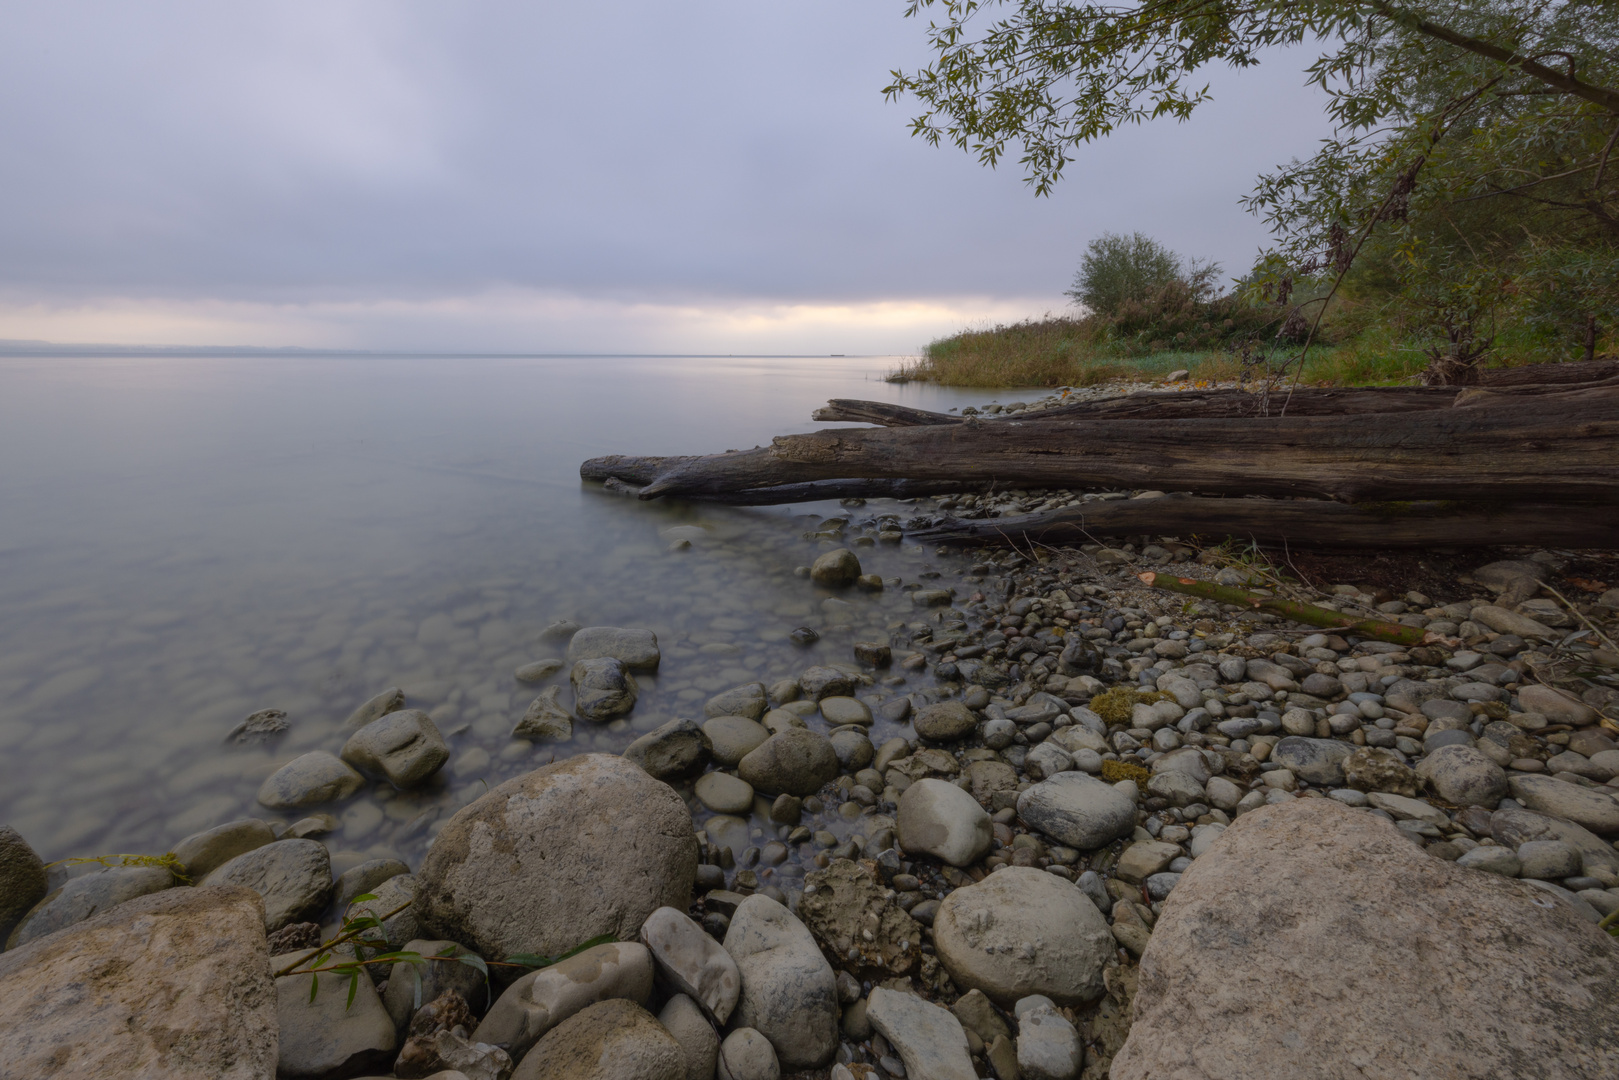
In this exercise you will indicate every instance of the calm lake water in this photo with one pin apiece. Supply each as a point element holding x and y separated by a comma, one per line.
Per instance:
<point>184,541</point>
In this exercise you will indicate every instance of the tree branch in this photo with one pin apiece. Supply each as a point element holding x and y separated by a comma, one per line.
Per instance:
<point>1568,84</point>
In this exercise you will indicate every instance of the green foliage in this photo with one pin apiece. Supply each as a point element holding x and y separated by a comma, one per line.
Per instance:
<point>1117,269</point>
<point>534,960</point>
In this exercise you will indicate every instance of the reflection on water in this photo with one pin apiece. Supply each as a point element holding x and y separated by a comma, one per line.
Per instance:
<point>184,541</point>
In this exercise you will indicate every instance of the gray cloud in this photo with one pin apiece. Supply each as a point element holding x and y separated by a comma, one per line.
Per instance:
<point>711,154</point>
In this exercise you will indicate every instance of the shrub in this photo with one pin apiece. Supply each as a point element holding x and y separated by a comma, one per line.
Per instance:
<point>1117,269</point>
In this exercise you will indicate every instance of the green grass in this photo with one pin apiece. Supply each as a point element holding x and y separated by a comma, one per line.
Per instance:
<point>1065,352</point>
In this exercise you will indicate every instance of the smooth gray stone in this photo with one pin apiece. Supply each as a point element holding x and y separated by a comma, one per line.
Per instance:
<point>316,777</point>
<point>789,994</point>
<point>749,700</point>
<point>293,877</point>
<point>364,878</point>
<point>637,650</point>
<point>403,748</point>
<point>329,1036</point>
<point>1078,810</point>
<point>85,896</point>
<point>929,1039</point>
<point>390,700</point>
<point>201,853</point>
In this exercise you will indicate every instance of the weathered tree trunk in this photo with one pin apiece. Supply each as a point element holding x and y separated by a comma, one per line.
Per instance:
<point>1548,448</point>
<point>1295,522</point>
<point>823,489</point>
<point>1212,404</point>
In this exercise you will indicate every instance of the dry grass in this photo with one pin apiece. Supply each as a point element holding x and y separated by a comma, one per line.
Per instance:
<point>1045,353</point>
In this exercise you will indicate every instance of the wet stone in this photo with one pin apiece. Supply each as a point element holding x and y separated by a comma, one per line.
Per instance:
<point>733,737</point>
<point>316,777</point>
<point>85,896</point>
<point>724,793</point>
<point>636,650</point>
<point>538,670</point>
<point>603,689</point>
<point>546,719</point>
<point>404,748</point>
<point>390,700</point>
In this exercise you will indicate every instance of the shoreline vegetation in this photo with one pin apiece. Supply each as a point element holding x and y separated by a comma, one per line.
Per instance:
<point>1078,351</point>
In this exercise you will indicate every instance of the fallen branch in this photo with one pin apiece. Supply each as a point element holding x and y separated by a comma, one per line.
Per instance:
<point>1298,522</point>
<point>1309,614</point>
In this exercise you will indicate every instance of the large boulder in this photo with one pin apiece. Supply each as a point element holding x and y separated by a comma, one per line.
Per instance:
<point>1023,931</point>
<point>938,818</point>
<point>1464,776</point>
<point>587,846</point>
<point>1588,808</point>
<point>293,877</point>
<point>542,999</point>
<point>1315,940</point>
<point>23,881</point>
<point>174,985</point>
<point>789,994</point>
<point>85,896</point>
<point>1078,810</point>
<point>795,761</point>
<point>611,1040</point>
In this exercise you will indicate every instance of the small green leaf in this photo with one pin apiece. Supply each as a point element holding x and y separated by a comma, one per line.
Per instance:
<point>354,985</point>
<point>314,987</point>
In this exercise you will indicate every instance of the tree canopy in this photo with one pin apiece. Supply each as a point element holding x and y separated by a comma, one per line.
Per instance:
<point>1471,157</point>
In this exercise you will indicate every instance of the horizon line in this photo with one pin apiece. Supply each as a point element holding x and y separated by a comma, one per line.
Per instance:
<point>24,347</point>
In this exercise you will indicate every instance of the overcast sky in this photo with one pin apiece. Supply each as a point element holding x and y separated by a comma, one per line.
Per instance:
<point>645,176</point>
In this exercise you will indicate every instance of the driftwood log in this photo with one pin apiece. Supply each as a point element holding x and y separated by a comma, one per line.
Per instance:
<point>822,489</point>
<point>1295,522</point>
<point>1542,448</point>
<point>1211,404</point>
